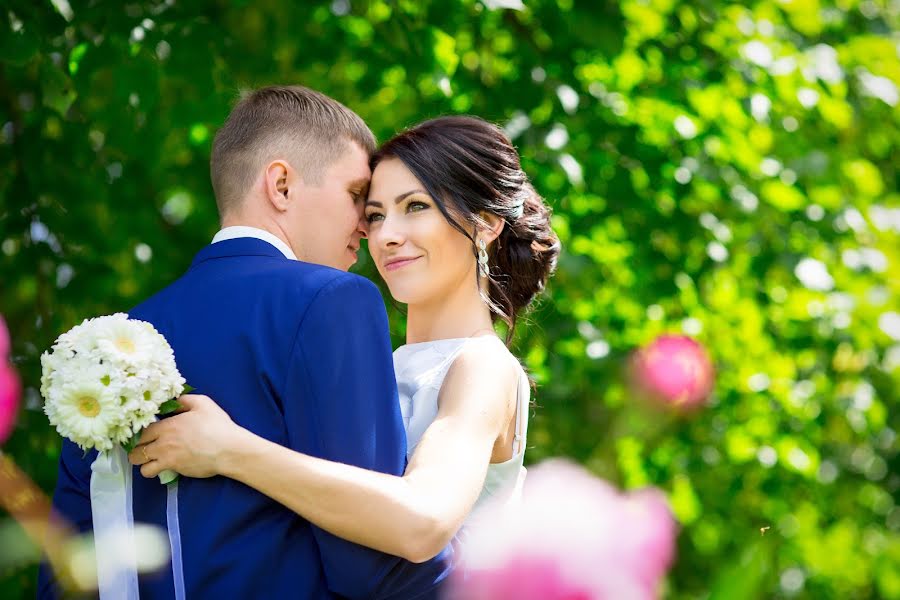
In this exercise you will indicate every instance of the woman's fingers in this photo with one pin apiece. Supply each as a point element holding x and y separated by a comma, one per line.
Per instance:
<point>186,402</point>
<point>140,455</point>
<point>194,402</point>
<point>151,433</point>
<point>189,443</point>
<point>152,469</point>
<point>135,457</point>
<point>147,456</point>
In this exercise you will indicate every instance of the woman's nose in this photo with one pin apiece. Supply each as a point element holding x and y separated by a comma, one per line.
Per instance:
<point>389,233</point>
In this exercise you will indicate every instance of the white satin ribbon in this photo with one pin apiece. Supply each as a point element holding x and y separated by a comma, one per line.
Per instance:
<point>111,510</point>
<point>175,539</point>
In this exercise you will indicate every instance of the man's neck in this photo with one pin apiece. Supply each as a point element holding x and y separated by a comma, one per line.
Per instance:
<point>263,224</point>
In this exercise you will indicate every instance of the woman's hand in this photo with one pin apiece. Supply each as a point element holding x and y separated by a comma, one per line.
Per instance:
<point>192,443</point>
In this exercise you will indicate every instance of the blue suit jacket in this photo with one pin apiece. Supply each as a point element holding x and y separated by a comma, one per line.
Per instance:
<point>299,354</point>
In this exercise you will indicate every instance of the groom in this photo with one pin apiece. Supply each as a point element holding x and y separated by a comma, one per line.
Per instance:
<point>267,321</point>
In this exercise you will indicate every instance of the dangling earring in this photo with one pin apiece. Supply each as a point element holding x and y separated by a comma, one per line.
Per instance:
<point>482,259</point>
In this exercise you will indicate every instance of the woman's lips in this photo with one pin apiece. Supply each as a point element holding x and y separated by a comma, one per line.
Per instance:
<point>399,263</point>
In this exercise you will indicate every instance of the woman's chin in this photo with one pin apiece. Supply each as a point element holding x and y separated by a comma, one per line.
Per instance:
<point>405,290</point>
<point>402,295</point>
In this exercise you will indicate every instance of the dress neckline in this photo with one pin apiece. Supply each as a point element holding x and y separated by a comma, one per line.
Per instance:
<point>443,340</point>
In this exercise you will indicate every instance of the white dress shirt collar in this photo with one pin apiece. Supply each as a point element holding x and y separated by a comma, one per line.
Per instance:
<point>241,231</point>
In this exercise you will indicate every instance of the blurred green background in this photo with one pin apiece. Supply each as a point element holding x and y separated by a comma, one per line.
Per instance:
<point>726,170</point>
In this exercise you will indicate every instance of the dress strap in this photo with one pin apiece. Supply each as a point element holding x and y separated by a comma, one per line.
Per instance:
<point>519,435</point>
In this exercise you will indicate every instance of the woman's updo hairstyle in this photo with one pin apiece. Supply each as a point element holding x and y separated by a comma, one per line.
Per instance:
<point>469,166</point>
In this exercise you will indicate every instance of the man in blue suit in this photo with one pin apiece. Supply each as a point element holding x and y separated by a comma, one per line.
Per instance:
<point>267,321</point>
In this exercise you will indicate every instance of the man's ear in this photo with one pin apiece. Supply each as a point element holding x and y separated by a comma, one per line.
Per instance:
<point>492,227</point>
<point>277,184</point>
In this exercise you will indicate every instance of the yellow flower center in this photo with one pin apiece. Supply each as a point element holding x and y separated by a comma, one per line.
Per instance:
<point>88,406</point>
<point>125,345</point>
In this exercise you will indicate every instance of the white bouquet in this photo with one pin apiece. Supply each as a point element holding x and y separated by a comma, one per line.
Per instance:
<point>107,379</point>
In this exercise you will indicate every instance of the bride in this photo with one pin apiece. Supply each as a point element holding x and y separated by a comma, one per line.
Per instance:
<point>461,237</point>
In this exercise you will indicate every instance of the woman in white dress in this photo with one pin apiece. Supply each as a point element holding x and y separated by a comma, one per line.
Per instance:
<point>461,237</point>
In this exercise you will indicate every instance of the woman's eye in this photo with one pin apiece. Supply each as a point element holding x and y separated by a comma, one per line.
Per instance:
<point>416,206</point>
<point>372,217</point>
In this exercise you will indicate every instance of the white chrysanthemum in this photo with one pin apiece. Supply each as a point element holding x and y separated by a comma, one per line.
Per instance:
<point>86,412</point>
<point>142,419</point>
<point>167,383</point>
<point>81,340</point>
<point>152,396</point>
<point>49,366</point>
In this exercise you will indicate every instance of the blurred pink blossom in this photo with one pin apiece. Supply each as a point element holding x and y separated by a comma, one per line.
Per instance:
<point>571,537</point>
<point>673,370</point>
<point>523,578</point>
<point>4,340</point>
<point>10,388</point>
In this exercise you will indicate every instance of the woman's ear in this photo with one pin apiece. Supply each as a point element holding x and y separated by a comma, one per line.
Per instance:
<point>276,184</point>
<point>492,226</point>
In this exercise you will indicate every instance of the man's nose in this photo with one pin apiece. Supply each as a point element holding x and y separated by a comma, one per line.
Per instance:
<point>362,227</point>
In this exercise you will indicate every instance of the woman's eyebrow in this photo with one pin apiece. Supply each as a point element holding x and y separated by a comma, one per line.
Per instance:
<point>398,199</point>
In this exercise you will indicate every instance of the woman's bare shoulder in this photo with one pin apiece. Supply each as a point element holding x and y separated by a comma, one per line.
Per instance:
<point>485,362</point>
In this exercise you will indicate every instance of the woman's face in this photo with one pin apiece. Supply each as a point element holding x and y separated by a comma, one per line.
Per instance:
<point>418,253</point>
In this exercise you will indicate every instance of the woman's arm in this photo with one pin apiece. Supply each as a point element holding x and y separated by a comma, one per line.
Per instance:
<point>413,516</point>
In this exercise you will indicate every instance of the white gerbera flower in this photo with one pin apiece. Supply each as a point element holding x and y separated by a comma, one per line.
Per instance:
<point>105,380</point>
<point>122,340</point>
<point>85,411</point>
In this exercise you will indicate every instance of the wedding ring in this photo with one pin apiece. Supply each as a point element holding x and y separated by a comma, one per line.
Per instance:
<point>144,452</point>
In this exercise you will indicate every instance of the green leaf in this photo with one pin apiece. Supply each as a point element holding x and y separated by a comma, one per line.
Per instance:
<point>132,443</point>
<point>743,579</point>
<point>444,48</point>
<point>188,389</point>
<point>685,503</point>
<point>75,57</point>
<point>169,406</point>
<point>783,196</point>
<point>58,91</point>
<point>18,48</point>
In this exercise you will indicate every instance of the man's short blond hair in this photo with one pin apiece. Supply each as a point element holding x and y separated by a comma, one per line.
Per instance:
<point>303,126</point>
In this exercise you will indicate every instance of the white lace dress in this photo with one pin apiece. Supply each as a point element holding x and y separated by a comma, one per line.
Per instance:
<point>420,370</point>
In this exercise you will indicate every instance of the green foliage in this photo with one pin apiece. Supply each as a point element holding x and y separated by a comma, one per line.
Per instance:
<point>694,152</point>
<point>169,406</point>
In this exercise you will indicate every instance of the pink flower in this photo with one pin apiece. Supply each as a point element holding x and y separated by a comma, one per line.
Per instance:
<point>10,389</point>
<point>4,340</point>
<point>673,370</point>
<point>9,400</point>
<point>572,537</point>
<point>524,578</point>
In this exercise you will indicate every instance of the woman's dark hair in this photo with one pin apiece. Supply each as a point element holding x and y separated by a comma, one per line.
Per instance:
<point>469,166</point>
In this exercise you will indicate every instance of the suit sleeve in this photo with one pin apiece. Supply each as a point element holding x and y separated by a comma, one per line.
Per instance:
<point>340,404</point>
<point>71,502</point>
